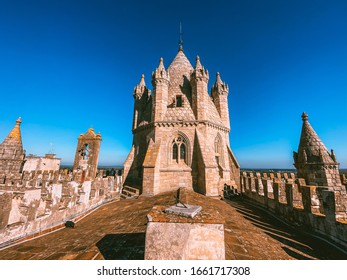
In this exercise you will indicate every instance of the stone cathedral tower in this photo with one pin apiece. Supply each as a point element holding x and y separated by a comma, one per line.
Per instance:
<point>87,154</point>
<point>181,132</point>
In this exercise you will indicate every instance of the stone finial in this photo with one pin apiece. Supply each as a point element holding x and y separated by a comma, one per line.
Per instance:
<point>304,116</point>
<point>161,63</point>
<point>218,79</point>
<point>19,121</point>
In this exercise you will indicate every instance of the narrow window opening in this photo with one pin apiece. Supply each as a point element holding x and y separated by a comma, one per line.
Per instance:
<point>183,152</point>
<point>175,152</point>
<point>178,101</point>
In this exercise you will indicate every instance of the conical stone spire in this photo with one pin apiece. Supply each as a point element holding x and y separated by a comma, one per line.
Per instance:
<point>14,137</point>
<point>310,143</point>
<point>313,161</point>
<point>11,152</point>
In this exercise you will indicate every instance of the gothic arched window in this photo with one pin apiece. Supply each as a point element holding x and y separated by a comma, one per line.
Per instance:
<point>179,150</point>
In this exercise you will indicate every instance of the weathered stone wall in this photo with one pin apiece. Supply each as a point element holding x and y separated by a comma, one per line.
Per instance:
<point>321,210</point>
<point>33,163</point>
<point>151,157</point>
<point>193,241</point>
<point>46,199</point>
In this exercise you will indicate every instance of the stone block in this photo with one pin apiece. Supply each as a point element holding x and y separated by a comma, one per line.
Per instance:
<point>172,237</point>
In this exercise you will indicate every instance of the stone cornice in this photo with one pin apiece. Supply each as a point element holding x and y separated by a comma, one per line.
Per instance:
<point>181,124</point>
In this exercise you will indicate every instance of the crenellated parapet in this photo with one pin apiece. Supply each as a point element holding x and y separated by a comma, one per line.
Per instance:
<point>43,200</point>
<point>34,179</point>
<point>315,208</point>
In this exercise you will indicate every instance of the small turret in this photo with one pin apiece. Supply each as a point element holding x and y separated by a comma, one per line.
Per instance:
<point>15,137</point>
<point>199,72</point>
<point>219,92</point>
<point>160,82</point>
<point>313,160</point>
<point>11,151</point>
<point>199,81</point>
<point>141,88</point>
<point>141,98</point>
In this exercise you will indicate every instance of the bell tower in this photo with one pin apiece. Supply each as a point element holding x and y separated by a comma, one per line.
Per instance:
<point>87,154</point>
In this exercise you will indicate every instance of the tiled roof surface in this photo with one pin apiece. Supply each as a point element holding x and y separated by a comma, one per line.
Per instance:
<point>117,231</point>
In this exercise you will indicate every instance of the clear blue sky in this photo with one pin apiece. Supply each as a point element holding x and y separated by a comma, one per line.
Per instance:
<point>68,65</point>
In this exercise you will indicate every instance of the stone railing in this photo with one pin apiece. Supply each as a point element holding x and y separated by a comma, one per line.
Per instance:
<point>314,209</point>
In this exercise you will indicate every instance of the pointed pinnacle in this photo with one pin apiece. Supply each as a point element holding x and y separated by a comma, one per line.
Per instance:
<point>218,79</point>
<point>198,63</point>
<point>142,81</point>
<point>161,64</point>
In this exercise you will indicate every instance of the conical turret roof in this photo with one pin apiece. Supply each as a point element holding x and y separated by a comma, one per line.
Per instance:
<point>311,148</point>
<point>179,72</point>
<point>179,69</point>
<point>14,138</point>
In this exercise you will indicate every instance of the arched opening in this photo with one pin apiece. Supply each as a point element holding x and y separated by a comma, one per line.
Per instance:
<point>84,151</point>
<point>179,150</point>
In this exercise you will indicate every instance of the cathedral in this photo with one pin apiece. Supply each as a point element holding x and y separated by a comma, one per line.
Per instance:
<point>181,132</point>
